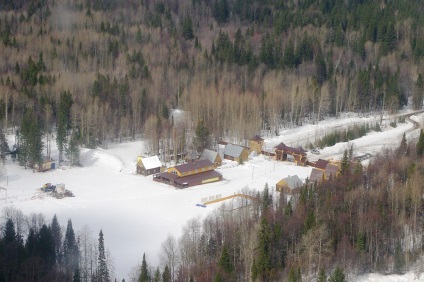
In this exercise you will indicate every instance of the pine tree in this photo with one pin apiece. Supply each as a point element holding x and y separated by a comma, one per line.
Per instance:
<point>70,251</point>
<point>263,262</point>
<point>337,276</point>
<point>266,199</point>
<point>30,143</point>
<point>322,276</point>
<point>156,278</point>
<point>201,138</point>
<point>399,266</point>
<point>77,275</point>
<point>420,144</point>
<point>102,271</point>
<point>403,147</point>
<point>187,27</point>
<point>63,122</point>
<point>144,274</point>
<point>73,150</point>
<point>57,238</point>
<point>344,166</point>
<point>166,275</point>
<point>418,94</point>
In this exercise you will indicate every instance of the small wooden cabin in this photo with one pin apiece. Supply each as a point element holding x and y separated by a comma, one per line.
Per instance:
<point>236,153</point>
<point>212,156</point>
<point>289,185</point>
<point>149,165</point>
<point>282,151</point>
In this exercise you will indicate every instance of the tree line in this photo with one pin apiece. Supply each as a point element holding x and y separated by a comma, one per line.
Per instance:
<point>32,249</point>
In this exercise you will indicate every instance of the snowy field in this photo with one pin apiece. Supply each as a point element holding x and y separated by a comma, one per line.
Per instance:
<point>136,214</point>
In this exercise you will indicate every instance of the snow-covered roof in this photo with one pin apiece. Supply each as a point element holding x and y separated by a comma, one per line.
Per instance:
<point>151,162</point>
<point>209,155</point>
<point>233,150</point>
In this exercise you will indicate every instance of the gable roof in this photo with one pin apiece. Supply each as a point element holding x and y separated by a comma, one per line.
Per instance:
<point>257,138</point>
<point>151,162</point>
<point>331,170</point>
<point>321,164</point>
<point>316,175</point>
<point>233,150</point>
<point>193,166</point>
<point>209,155</point>
<point>284,147</point>
<point>293,181</point>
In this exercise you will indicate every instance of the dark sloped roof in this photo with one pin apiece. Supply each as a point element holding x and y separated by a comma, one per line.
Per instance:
<point>193,166</point>
<point>197,177</point>
<point>321,164</point>
<point>284,147</point>
<point>257,138</point>
<point>316,175</point>
<point>331,170</point>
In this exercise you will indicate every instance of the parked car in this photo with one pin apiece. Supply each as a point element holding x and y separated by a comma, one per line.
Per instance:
<point>315,151</point>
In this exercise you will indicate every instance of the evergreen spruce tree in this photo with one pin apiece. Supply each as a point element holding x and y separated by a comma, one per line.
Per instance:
<point>30,143</point>
<point>266,199</point>
<point>77,275</point>
<point>417,98</point>
<point>144,274</point>
<point>72,150</point>
<point>102,271</point>
<point>322,276</point>
<point>166,274</point>
<point>420,144</point>
<point>337,276</point>
<point>70,251</point>
<point>263,261</point>
<point>187,27</point>
<point>201,138</point>
<point>156,278</point>
<point>403,147</point>
<point>63,122</point>
<point>344,166</point>
<point>399,267</point>
<point>4,146</point>
<point>57,238</point>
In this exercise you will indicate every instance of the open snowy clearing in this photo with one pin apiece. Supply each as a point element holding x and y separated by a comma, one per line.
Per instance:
<point>136,213</point>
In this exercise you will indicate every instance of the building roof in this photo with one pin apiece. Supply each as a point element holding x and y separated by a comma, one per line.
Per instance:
<point>151,162</point>
<point>284,147</point>
<point>331,170</point>
<point>293,181</point>
<point>321,164</point>
<point>193,166</point>
<point>316,175</point>
<point>257,138</point>
<point>233,150</point>
<point>197,177</point>
<point>209,155</point>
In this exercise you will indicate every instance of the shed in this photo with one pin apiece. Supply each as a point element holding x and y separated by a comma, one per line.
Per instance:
<point>212,156</point>
<point>46,164</point>
<point>149,165</point>
<point>289,185</point>
<point>236,153</point>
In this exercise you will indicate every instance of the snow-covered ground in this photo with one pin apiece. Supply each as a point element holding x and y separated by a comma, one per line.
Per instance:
<point>136,214</point>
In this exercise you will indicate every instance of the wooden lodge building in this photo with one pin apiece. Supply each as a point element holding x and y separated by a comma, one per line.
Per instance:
<point>189,174</point>
<point>149,165</point>
<point>299,154</point>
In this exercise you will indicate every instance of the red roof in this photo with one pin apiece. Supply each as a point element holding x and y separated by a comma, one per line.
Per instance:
<point>321,164</point>
<point>257,138</point>
<point>284,147</point>
<point>193,166</point>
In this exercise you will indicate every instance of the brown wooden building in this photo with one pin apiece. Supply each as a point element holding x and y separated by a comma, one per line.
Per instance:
<point>256,144</point>
<point>189,174</point>
<point>236,153</point>
<point>282,151</point>
<point>149,165</point>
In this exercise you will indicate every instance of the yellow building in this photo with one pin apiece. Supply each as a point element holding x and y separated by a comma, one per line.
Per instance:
<point>256,144</point>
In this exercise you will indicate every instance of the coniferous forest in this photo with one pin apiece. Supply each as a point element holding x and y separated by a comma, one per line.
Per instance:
<point>91,72</point>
